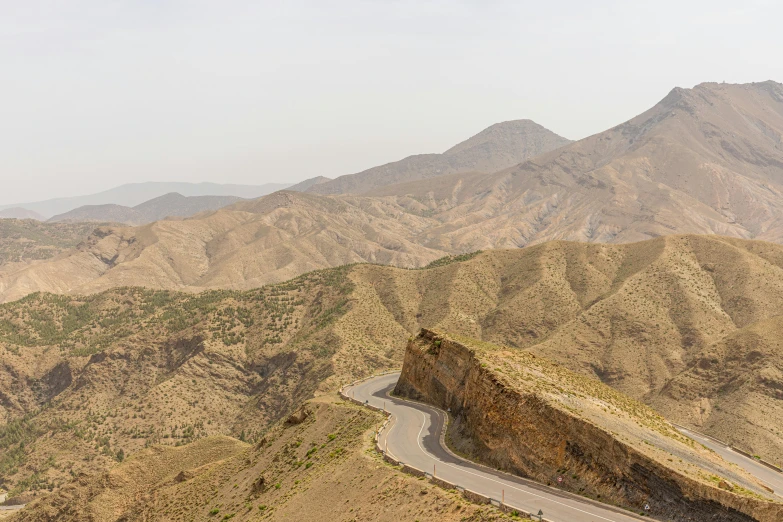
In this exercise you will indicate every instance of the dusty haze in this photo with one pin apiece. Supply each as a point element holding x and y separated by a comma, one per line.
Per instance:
<point>98,94</point>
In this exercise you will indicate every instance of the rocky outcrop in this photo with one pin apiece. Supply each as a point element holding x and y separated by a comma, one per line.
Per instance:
<point>520,429</point>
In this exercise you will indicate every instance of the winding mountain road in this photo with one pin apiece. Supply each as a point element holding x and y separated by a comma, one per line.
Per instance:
<point>413,438</point>
<point>766,475</point>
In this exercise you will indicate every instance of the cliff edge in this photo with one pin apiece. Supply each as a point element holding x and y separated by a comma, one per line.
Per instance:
<point>528,416</point>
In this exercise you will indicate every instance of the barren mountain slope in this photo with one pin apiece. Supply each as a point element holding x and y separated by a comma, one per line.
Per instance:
<point>497,147</point>
<point>733,387</point>
<point>708,160</point>
<point>244,246</point>
<point>302,186</point>
<point>703,160</point>
<point>168,205</point>
<point>314,469</point>
<point>651,319</point>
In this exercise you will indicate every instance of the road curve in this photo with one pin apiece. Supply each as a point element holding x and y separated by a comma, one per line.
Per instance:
<point>413,438</point>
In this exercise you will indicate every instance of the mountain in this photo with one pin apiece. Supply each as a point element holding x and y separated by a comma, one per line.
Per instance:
<point>497,147</point>
<point>20,213</point>
<point>132,194</point>
<point>243,246</point>
<point>703,160</point>
<point>686,324</point>
<point>168,205</point>
<point>707,160</point>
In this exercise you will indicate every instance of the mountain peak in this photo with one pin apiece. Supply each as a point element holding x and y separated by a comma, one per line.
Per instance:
<point>495,148</point>
<point>511,136</point>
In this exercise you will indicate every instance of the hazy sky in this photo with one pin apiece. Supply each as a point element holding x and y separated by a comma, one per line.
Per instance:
<point>99,93</point>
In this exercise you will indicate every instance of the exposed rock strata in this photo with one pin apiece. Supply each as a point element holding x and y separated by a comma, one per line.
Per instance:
<point>522,430</point>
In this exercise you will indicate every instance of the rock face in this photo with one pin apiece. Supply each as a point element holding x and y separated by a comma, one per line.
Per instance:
<point>541,422</point>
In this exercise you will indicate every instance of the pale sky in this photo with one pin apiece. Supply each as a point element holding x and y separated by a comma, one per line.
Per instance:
<point>98,93</point>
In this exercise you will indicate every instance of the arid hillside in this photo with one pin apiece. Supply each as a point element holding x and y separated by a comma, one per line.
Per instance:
<point>297,471</point>
<point>703,160</point>
<point>650,319</point>
<point>522,413</point>
<point>495,148</point>
<point>87,381</point>
<point>707,160</point>
<point>686,324</point>
<point>247,245</point>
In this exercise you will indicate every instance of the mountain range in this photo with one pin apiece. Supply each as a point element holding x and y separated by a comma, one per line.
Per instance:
<point>651,263</point>
<point>132,194</point>
<point>500,146</point>
<point>20,213</point>
<point>168,205</point>
<point>707,160</point>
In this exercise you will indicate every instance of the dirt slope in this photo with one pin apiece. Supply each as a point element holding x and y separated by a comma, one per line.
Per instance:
<point>636,316</point>
<point>268,240</point>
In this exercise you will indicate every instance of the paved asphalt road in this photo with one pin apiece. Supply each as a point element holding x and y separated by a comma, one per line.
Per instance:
<point>413,437</point>
<point>768,476</point>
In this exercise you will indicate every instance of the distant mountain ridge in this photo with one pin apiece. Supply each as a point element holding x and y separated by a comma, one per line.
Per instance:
<point>132,194</point>
<point>707,160</point>
<point>497,147</point>
<point>168,205</point>
<point>20,213</point>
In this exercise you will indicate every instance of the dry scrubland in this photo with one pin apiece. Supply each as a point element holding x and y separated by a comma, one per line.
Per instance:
<point>24,240</point>
<point>317,465</point>
<point>686,324</point>
<point>525,414</point>
<point>88,381</point>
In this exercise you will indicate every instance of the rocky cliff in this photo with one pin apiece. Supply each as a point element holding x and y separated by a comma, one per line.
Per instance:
<point>526,415</point>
